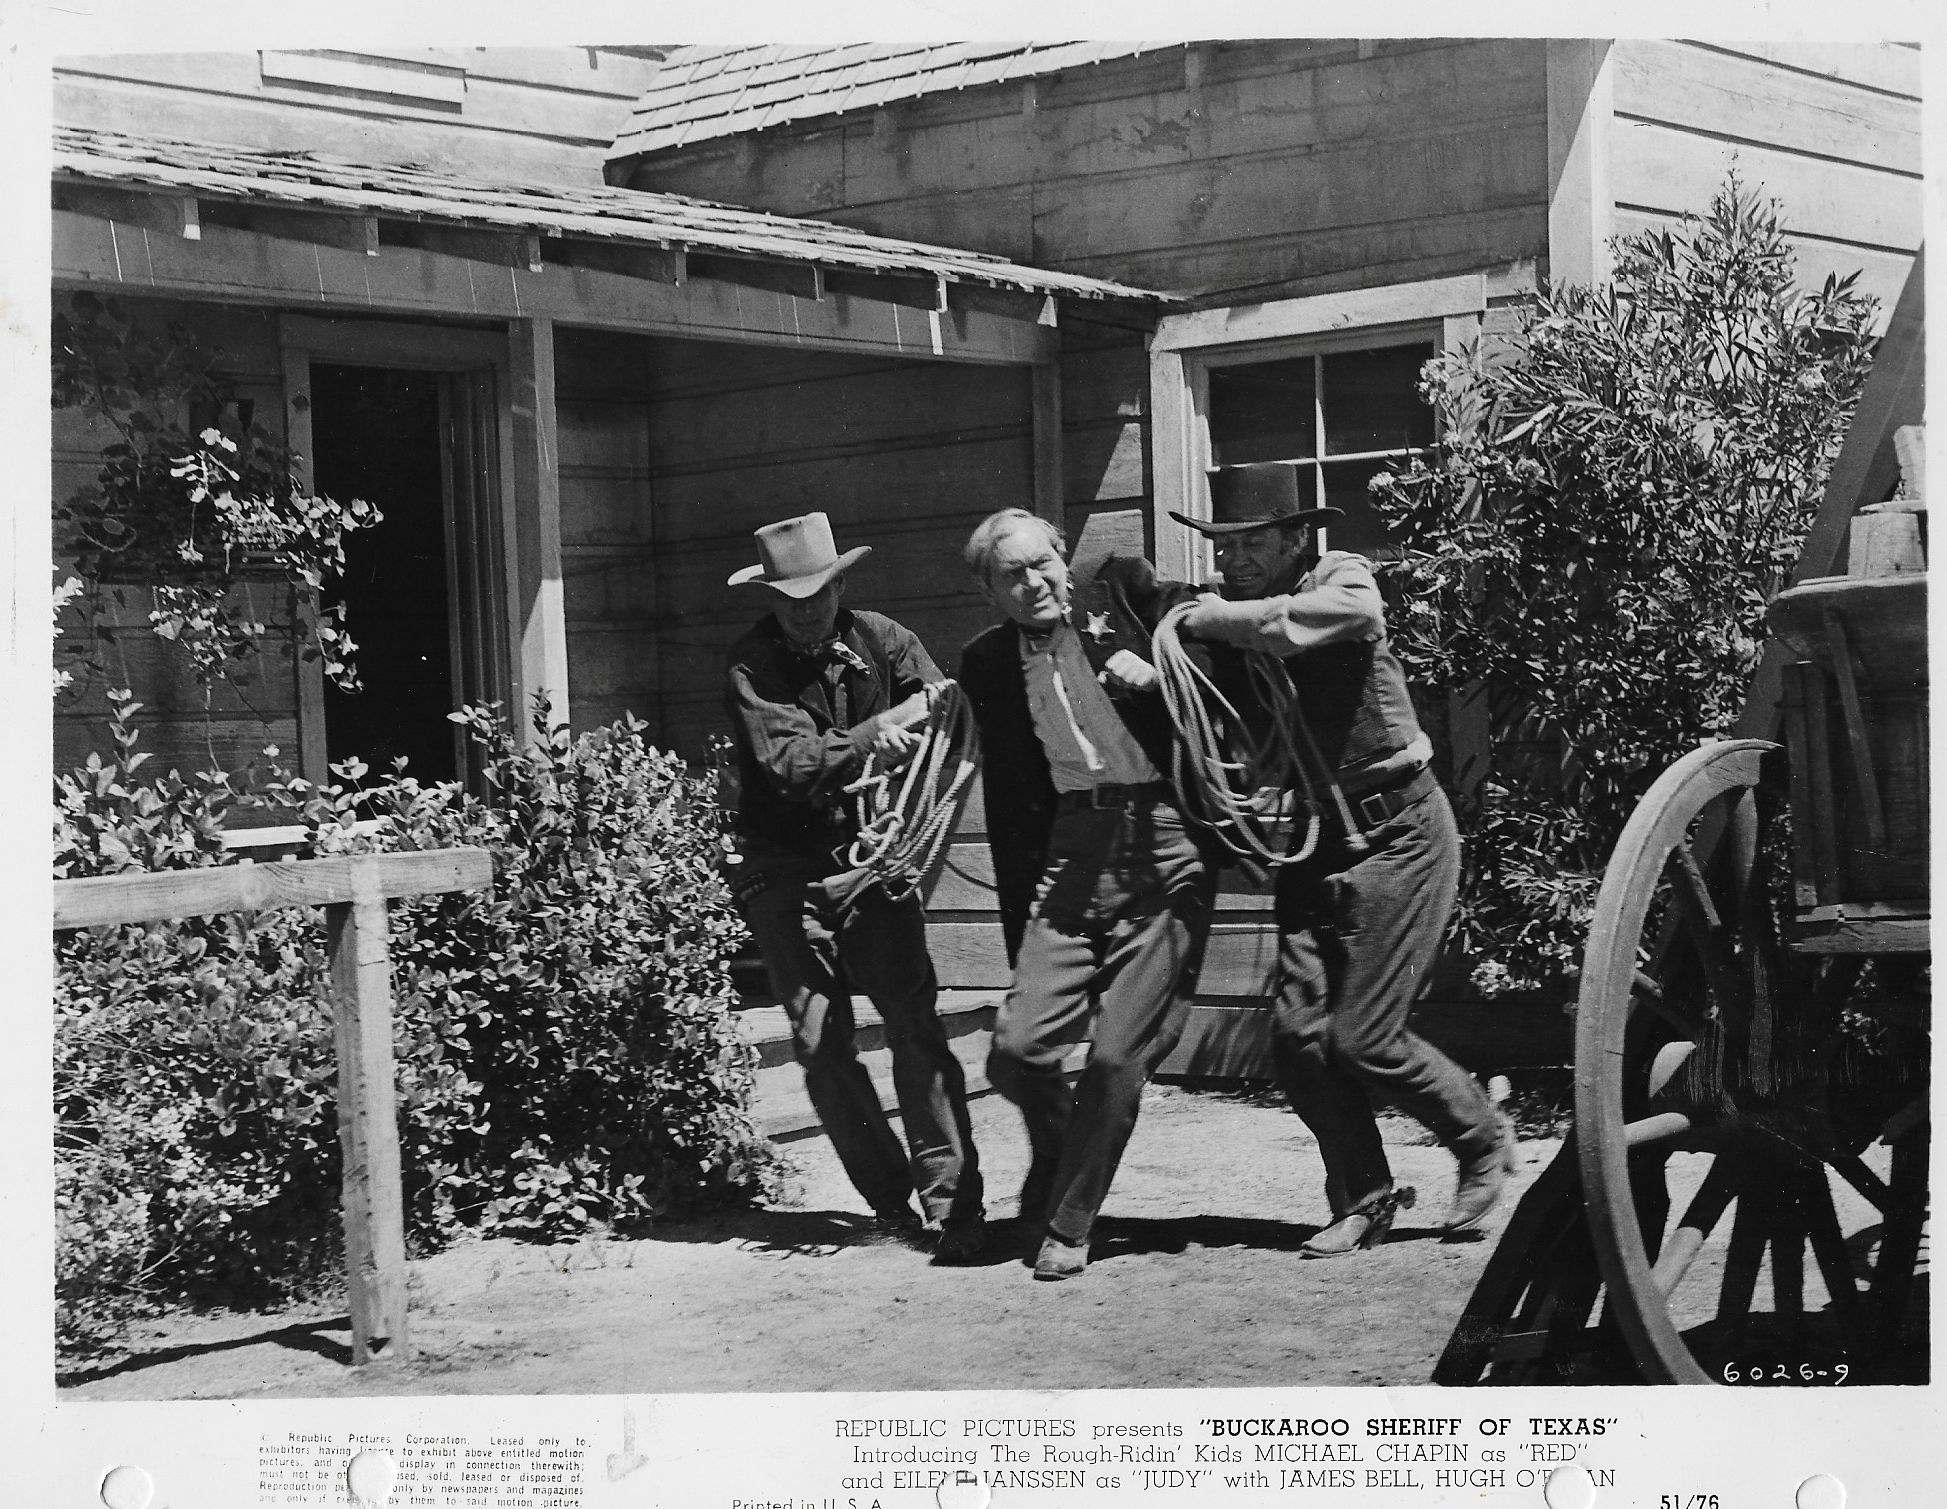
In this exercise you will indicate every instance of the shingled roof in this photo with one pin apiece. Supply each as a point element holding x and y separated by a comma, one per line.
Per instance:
<point>704,92</point>
<point>317,181</point>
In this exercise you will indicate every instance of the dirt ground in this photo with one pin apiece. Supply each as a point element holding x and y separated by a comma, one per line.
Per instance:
<point>1195,1282</point>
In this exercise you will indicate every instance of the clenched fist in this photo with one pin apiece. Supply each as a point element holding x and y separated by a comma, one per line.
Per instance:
<point>1127,671</point>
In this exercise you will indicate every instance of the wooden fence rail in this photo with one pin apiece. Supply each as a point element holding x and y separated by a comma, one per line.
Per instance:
<point>353,890</point>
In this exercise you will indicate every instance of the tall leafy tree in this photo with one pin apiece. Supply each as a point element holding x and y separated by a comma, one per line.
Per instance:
<point>1616,496</point>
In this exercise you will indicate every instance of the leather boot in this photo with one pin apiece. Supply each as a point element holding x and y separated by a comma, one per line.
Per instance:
<point>1483,1175</point>
<point>1361,1228</point>
<point>1059,1260</point>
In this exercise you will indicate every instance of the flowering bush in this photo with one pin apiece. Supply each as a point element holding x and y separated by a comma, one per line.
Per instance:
<point>184,509</point>
<point>566,1060</point>
<point>1592,545</point>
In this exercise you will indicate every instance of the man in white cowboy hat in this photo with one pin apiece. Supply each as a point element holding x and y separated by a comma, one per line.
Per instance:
<point>812,689</point>
<point>1361,920</point>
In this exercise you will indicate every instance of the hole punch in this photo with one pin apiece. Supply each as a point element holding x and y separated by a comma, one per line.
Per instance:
<point>1820,1491</point>
<point>369,1476</point>
<point>1569,1488</point>
<point>966,1491</point>
<point>127,1488</point>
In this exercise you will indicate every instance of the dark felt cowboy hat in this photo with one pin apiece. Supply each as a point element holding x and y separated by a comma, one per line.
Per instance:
<point>1254,495</point>
<point>797,556</point>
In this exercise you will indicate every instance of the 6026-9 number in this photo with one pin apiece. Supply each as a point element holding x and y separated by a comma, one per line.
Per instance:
<point>1784,1372</point>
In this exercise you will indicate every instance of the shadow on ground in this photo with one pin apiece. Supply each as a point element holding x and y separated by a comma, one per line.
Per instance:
<point>308,1336</point>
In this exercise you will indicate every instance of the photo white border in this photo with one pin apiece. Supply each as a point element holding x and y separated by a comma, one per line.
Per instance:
<point>1751,1448</point>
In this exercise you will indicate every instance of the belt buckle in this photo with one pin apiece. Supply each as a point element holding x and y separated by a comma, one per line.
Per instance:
<point>1373,808</point>
<point>1108,798</point>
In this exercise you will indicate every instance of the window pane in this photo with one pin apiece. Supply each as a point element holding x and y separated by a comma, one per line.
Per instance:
<point>1262,411</point>
<point>1360,529</point>
<point>1372,400</point>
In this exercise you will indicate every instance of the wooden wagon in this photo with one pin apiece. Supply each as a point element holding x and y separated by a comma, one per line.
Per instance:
<point>1744,1194</point>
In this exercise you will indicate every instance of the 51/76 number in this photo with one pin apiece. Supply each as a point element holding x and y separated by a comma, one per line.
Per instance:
<point>1687,1501</point>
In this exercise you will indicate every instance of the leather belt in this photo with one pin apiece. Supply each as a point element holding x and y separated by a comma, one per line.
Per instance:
<point>1113,798</point>
<point>1381,806</point>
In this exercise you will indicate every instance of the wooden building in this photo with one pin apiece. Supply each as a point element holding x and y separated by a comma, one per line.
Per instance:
<point>1069,277</point>
<point>572,401</point>
<point>1359,202</point>
<point>1330,213</point>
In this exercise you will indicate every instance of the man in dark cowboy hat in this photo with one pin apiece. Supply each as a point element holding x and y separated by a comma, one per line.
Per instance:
<point>1105,890</point>
<point>813,689</point>
<point>1360,921</point>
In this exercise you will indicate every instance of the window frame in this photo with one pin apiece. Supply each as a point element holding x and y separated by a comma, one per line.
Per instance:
<point>1185,349</point>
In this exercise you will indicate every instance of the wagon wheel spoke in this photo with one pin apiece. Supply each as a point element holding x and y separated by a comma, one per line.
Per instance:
<point>1852,1168</point>
<point>1703,928</point>
<point>1748,1237</point>
<point>1900,1238</point>
<point>1705,1210</point>
<point>1829,1250</point>
<point>1646,991</point>
<point>1908,1119</point>
<point>1664,1126</point>
<point>1666,1062</point>
<point>1788,1259</point>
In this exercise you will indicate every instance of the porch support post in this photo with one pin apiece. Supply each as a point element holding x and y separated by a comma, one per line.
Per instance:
<point>1174,481</point>
<point>1048,500</point>
<point>1581,203</point>
<point>306,670</point>
<point>540,661</point>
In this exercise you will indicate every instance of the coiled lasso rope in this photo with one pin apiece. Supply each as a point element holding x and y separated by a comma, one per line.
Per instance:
<point>902,835</point>
<point>1224,784</point>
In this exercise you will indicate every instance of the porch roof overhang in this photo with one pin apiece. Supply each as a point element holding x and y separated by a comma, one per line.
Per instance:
<point>206,220</point>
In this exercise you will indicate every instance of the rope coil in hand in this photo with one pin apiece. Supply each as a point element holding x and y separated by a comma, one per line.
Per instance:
<point>901,835</point>
<point>1235,782</point>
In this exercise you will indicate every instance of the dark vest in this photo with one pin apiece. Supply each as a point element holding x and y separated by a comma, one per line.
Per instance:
<point>1353,696</point>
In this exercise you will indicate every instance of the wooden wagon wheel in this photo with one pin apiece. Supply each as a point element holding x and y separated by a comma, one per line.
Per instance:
<point>1740,1106</point>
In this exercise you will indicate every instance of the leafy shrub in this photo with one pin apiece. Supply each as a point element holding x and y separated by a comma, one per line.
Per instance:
<point>1592,545</point>
<point>565,1056</point>
<point>187,511</point>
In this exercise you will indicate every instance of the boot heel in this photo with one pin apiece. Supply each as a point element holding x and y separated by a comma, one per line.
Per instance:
<point>1361,1229</point>
<point>1384,1210</point>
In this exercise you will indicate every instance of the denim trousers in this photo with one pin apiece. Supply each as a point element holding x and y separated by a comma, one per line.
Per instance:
<point>1358,935</point>
<point>1114,943</point>
<point>821,939</point>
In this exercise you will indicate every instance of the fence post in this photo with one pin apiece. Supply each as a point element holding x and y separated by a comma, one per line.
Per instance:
<point>368,1126</point>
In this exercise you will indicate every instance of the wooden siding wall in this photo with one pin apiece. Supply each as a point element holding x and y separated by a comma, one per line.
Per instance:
<point>1265,168</point>
<point>1831,129</point>
<point>178,729</point>
<point>544,114</point>
<point>1104,435</point>
<point>673,452</point>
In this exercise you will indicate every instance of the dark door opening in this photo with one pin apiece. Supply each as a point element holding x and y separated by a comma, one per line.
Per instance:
<point>376,434</point>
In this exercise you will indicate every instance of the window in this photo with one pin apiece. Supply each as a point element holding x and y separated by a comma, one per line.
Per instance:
<point>1340,415</point>
<point>1330,382</point>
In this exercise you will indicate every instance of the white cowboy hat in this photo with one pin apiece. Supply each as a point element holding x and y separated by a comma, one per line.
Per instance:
<point>797,556</point>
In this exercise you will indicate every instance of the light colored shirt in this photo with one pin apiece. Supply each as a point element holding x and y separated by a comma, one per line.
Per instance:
<point>1086,741</point>
<point>1338,602</point>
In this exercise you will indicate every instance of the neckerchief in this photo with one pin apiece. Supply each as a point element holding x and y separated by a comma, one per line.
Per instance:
<point>835,651</point>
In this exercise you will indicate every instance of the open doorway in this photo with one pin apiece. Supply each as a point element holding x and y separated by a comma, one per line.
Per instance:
<point>377,434</point>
